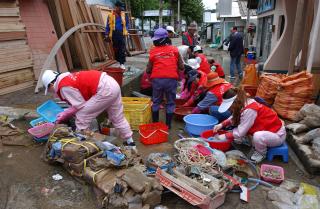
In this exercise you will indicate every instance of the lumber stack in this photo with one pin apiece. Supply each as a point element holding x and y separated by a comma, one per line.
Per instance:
<point>86,46</point>
<point>16,65</point>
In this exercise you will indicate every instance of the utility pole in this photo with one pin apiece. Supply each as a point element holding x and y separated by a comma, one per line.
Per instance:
<point>160,12</point>
<point>178,19</point>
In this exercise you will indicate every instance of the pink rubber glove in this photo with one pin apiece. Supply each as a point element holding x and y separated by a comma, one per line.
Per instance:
<point>66,114</point>
<point>196,110</point>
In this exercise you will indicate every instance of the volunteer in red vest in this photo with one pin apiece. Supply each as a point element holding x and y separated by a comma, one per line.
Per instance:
<point>251,118</point>
<point>189,38</point>
<point>89,93</point>
<point>202,59</point>
<point>195,83</point>
<point>216,87</point>
<point>163,67</point>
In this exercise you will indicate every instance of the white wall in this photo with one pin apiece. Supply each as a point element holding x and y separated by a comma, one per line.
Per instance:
<point>280,51</point>
<point>316,61</point>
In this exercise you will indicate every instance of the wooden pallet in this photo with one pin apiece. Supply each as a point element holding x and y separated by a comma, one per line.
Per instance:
<point>86,46</point>
<point>16,64</point>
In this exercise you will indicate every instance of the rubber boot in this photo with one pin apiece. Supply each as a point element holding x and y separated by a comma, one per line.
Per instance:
<point>155,116</point>
<point>169,119</point>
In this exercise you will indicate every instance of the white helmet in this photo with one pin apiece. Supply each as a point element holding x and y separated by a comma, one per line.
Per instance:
<point>197,48</point>
<point>47,77</point>
<point>193,63</point>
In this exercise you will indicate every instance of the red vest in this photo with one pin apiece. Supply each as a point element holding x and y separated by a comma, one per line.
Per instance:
<point>85,81</point>
<point>266,120</point>
<point>219,90</point>
<point>190,39</point>
<point>165,62</point>
<point>219,69</point>
<point>204,65</point>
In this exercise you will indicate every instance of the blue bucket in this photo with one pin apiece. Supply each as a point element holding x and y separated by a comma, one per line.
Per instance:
<point>198,123</point>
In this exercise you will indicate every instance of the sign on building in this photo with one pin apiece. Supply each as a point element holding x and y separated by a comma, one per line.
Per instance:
<point>156,13</point>
<point>225,7</point>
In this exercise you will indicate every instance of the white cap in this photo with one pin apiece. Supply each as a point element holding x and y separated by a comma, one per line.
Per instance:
<point>193,63</point>
<point>197,48</point>
<point>170,28</point>
<point>226,104</point>
<point>47,77</point>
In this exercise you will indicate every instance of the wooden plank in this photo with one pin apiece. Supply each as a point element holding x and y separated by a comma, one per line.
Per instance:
<point>13,43</point>
<point>16,66</point>
<point>8,4</point>
<point>16,87</point>
<point>7,36</point>
<point>9,12</point>
<point>10,20</point>
<point>8,27</point>
<point>16,77</point>
<point>82,50</point>
<point>65,49</point>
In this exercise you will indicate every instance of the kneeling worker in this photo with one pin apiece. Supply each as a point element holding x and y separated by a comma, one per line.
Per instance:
<point>89,93</point>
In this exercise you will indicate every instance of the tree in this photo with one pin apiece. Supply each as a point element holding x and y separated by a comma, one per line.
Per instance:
<point>192,10</point>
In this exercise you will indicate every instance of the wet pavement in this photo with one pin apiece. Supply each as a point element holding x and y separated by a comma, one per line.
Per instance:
<point>26,181</point>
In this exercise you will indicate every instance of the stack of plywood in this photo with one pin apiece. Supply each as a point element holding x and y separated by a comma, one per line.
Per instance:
<point>16,65</point>
<point>86,46</point>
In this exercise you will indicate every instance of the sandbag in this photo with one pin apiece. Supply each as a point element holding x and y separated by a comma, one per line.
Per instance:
<point>14,136</point>
<point>294,91</point>
<point>104,179</point>
<point>308,137</point>
<point>250,76</point>
<point>297,128</point>
<point>268,87</point>
<point>311,121</point>
<point>308,110</point>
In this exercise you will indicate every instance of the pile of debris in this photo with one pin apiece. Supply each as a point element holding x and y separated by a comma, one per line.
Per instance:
<point>291,194</point>
<point>115,172</point>
<point>304,136</point>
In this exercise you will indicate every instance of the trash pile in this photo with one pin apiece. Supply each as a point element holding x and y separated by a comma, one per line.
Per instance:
<point>291,194</point>
<point>305,136</point>
<point>115,172</point>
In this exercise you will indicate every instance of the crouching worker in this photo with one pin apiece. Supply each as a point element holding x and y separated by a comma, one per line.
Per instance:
<point>163,65</point>
<point>251,118</point>
<point>89,93</point>
<point>215,88</point>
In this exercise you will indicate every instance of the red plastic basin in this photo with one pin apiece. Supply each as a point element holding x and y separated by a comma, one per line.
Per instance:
<point>223,146</point>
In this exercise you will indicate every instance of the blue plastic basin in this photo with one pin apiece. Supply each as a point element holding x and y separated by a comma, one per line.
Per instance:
<point>198,123</point>
<point>49,111</point>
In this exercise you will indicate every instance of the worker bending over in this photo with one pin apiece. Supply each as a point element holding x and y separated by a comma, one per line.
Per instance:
<point>89,93</point>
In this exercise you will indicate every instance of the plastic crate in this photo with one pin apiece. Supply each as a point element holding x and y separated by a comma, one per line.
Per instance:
<point>265,167</point>
<point>137,111</point>
<point>49,111</point>
<point>41,140</point>
<point>186,192</point>
<point>153,133</point>
<point>42,130</point>
<point>34,122</point>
